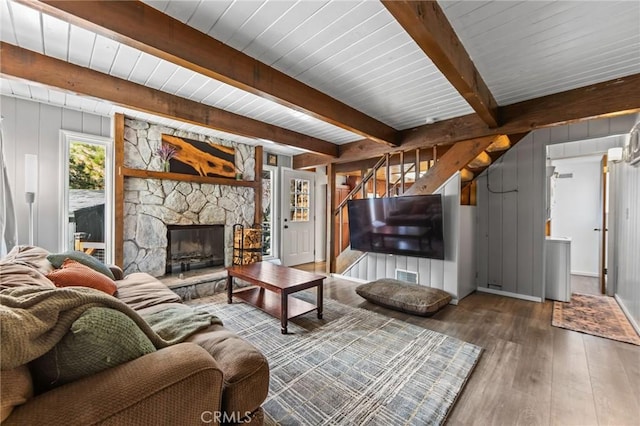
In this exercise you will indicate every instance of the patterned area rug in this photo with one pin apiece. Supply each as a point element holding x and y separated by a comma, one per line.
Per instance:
<point>597,315</point>
<point>353,367</point>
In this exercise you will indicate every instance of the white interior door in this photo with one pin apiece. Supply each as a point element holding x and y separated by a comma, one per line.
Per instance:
<point>297,221</point>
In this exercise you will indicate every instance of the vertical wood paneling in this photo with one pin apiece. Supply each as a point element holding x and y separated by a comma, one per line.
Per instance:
<point>451,204</point>
<point>424,269</point>
<point>509,244</point>
<point>390,266</point>
<point>401,262</point>
<point>538,191</point>
<point>494,176</point>
<point>381,264</point>
<point>626,184</point>
<point>371,269</point>
<point>49,176</point>
<point>525,218</point>
<point>482,231</point>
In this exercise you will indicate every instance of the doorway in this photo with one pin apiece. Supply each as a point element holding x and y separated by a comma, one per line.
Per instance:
<point>297,224</point>
<point>87,195</point>
<point>578,211</point>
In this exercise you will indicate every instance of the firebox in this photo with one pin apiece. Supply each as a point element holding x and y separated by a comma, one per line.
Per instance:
<point>194,246</point>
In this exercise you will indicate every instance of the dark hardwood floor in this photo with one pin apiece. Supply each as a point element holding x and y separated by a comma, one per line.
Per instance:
<point>530,373</point>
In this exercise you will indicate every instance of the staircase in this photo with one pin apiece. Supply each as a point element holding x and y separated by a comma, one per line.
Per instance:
<point>416,172</point>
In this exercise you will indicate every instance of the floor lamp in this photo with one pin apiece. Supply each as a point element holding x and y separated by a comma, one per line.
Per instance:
<point>30,186</point>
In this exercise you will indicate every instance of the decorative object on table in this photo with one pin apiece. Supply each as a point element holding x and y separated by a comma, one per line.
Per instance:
<point>596,315</point>
<point>247,244</point>
<point>166,152</point>
<point>201,158</point>
<point>362,366</point>
<point>272,160</point>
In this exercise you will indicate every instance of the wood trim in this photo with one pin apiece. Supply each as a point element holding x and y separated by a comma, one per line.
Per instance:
<point>29,65</point>
<point>142,27</point>
<point>331,226</point>
<point>603,227</point>
<point>118,213</point>
<point>455,159</point>
<point>427,24</point>
<point>152,174</point>
<point>257,189</point>
<point>610,98</point>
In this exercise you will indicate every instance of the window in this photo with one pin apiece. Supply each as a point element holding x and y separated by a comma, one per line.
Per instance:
<point>299,200</point>
<point>269,247</point>
<point>86,194</point>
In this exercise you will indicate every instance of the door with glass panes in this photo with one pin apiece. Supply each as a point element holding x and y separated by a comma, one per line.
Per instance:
<point>297,217</point>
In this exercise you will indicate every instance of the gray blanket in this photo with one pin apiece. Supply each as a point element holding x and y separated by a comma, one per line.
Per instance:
<point>34,319</point>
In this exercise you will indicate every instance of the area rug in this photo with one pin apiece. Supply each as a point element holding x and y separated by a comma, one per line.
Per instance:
<point>353,367</point>
<point>597,315</point>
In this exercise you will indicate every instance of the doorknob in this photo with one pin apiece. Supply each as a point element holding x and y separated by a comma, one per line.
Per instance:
<point>286,227</point>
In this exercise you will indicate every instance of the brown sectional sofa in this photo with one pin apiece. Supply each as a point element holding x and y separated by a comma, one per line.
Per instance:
<point>213,377</point>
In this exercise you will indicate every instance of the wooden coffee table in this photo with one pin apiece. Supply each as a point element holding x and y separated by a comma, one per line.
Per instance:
<point>280,281</point>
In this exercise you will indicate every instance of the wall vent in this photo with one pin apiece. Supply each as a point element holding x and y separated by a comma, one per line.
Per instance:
<point>565,175</point>
<point>408,276</point>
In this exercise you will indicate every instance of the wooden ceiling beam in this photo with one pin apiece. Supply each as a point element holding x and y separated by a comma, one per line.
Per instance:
<point>28,65</point>
<point>427,24</point>
<point>142,27</point>
<point>610,98</point>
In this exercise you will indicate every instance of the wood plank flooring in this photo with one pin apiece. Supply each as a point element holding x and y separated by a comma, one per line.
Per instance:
<point>530,373</point>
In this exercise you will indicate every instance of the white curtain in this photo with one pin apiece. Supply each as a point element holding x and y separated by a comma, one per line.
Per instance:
<point>8,229</point>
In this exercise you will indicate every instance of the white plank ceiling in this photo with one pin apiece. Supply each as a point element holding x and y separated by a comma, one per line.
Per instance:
<point>355,52</point>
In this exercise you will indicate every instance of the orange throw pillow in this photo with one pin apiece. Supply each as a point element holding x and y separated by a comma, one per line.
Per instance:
<point>73,273</point>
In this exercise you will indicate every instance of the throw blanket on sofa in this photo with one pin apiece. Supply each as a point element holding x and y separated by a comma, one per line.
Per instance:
<point>34,319</point>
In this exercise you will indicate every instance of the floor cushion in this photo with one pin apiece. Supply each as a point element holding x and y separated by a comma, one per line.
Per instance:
<point>404,297</point>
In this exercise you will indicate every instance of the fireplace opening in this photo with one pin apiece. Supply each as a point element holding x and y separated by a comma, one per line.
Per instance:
<point>194,247</point>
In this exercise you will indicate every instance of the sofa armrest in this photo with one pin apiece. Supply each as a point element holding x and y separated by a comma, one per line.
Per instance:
<point>117,271</point>
<point>180,384</point>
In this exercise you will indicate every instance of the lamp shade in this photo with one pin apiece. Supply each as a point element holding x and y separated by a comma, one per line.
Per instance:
<point>30,173</point>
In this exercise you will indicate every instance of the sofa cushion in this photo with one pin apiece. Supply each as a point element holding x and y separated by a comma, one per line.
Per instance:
<point>140,290</point>
<point>18,275</point>
<point>405,297</point>
<point>74,274</point>
<point>100,338</point>
<point>17,388</point>
<point>57,259</point>
<point>34,257</point>
<point>246,370</point>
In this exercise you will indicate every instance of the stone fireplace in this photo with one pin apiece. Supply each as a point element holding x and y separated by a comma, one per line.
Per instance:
<point>153,206</point>
<point>194,247</point>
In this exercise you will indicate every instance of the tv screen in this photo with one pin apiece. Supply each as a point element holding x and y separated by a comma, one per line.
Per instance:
<point>410,226</point>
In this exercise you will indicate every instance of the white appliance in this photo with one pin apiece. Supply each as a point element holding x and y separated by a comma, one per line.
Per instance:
<point>558,268</point>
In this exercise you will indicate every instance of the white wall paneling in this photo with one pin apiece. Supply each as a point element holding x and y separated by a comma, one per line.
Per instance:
<point>510,227</point>
<point>624,237</point>
<point>34,128</point>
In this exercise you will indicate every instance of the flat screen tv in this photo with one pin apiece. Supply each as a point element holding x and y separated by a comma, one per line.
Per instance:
<point>410,226</point>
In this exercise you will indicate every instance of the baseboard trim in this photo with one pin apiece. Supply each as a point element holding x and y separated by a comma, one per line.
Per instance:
<point>348,278</point>
<point>585,274</point>
<point>633,322</point>
<point>510,294</point>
